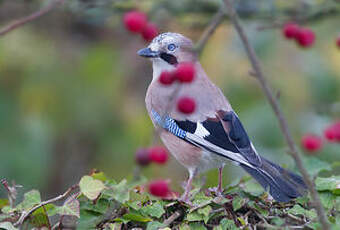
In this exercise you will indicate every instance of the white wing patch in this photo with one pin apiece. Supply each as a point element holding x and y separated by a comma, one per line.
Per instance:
<point>201,131</point>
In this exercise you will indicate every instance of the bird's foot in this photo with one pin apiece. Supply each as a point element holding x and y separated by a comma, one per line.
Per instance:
<point>216,190</point>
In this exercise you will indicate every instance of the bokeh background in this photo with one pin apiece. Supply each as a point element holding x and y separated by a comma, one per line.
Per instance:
<point>72,87</point>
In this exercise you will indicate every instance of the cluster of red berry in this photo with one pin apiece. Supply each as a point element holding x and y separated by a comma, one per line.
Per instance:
<point>184,73</point>
<point>313,143</point>
<point>137,22</point>
<point>305,37</point>
<point>158,155</point>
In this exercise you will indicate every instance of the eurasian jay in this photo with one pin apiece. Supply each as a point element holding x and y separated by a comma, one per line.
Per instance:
<point>213,134</point>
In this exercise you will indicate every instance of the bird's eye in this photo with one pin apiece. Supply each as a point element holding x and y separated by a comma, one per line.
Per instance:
<point>171,47</point>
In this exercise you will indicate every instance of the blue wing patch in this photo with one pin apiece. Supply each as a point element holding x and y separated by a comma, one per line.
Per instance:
<point>169,124</point>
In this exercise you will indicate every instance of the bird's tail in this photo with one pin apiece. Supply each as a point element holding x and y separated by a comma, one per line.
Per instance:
<point>281,184</point>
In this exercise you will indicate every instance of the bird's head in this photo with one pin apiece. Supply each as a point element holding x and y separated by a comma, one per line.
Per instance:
<point>168,49</point>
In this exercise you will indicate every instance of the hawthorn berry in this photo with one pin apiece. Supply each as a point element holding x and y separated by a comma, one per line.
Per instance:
<point>185,72</point>
<point>158,154</point>
<point>142,157</point>
<point>186,105</point>
<point>166,78</point>
<point>149,32</point>
<point>159,188</point>
<point>311,142</point>
<point>305,37</point>
<point>332,132</point>
<point>290,30</point>
<point>338,42</point>
<point>135,21</point>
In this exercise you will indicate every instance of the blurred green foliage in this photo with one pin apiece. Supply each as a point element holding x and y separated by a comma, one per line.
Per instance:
<point>72,87</point>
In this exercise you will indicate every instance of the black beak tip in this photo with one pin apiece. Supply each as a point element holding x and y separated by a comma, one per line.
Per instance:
<point>148,53</point>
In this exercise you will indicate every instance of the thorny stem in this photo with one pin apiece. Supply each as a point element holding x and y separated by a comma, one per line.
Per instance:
<point>24,215</point>
<point>22,21</point>
<point>277,110</point>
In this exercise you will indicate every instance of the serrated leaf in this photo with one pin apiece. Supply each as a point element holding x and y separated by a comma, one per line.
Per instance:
<point>228,224</point>
<point>31,199</point>
<point>154,210</point>
<point>238,202</point>
<point>39,218</point>
<point>100,206</point>
<point>90,187</point>
<point>328,199</point>
<point>298,210</point>
<point>7,226</point>
<point>197,226</point>
<point>315,165</point>
<point>184,227</point>
<point>201,198</point>
<point>99,176</point>
<point>70,207</point>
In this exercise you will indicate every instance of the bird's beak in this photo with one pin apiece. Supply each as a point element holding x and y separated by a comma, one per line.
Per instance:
<point>148,53</point>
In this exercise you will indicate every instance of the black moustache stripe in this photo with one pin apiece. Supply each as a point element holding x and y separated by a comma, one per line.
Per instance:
<point>171,59</point>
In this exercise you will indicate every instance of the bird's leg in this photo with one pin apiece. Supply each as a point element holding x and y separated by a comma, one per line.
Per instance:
<point>219,187</point>
<point>185,197</point>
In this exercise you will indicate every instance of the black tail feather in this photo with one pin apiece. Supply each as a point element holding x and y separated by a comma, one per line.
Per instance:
<point>281,184</point>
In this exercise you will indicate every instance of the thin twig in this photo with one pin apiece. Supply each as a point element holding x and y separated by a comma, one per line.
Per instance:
<point>172,218</point>
<point>22,21</point>
<point>209,31</point>
<point>62,196</point>
<point>277,110</point>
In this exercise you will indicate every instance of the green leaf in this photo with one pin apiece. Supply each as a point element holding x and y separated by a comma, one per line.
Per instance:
<point>194,216</point>
<point>298,210</point>
<point>3,203</point>
<point>328,184</point>
<point>154,210</point>
<point>90,187</point>
<point>7,226</point>
<point>31,199</point>
<point>201,198</point>
<point>228,224</point>
<point>99,176</point>
<point>315,165</point>
<point>100,206</point>
<point>119,192</point>
<point>70,207</point>
<point>205,211</point>
<point>136,217</point>
<point>328,199</point>
<point>184,227</point>
<point>253,188</point>
<point>238,202</point>
<point>39,218</point>
<point>154,225</point>
<point>197,226</point>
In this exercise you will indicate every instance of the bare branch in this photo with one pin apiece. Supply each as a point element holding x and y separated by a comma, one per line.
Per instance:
<point>172,218</point>
<point>11,192</point>
<point>55,199</point>
<point>277,110</point>
<point>209,31</point>
<point>22,21</point>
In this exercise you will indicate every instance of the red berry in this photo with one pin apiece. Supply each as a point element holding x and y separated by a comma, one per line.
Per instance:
<point>311,142</point>
<point>166,78</point>
<point>158,154</point>
<point>305,37</point>
<point>290,30</point>
<point>149,32</point>
<point>186,105</point>
<point>159,188</point>
<point>142,157</point>
<point>135,21</point>
<point>332,132</point>
<point>185,72</point>
<point>338,42</point>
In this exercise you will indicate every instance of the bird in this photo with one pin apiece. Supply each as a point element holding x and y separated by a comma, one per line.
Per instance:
<point>213,134</point>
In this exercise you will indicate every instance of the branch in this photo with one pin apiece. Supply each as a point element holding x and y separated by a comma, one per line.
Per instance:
<point>24,215</point>
<point>22,21</point>
<point>172,218</point>
<point>209,31</point>
<point>11,191</point>
<point>277,110</point>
